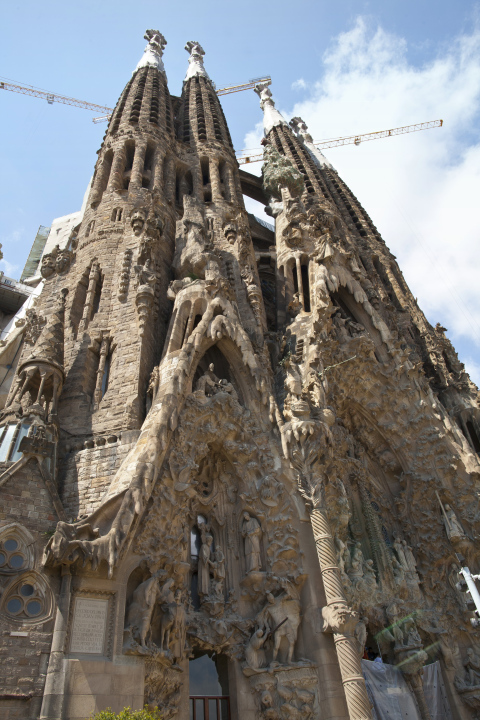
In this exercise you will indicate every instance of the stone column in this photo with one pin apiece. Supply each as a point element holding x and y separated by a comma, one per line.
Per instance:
<point>348,658</point>
<point>158,170</point>
<point>101,369</point>
<point>137,167</point>
<point>92,285</point>
<point>215,180</point>
<point>118,165</point>
<point>54,692</point>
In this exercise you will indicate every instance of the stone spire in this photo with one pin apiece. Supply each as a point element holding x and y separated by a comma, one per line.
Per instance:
<point>152,55</point>
<point>271,116</point>
<point>195,61</point>
<point>299,126</point>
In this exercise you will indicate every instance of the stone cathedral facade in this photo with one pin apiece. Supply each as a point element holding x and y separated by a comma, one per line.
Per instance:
<point>233,459</point>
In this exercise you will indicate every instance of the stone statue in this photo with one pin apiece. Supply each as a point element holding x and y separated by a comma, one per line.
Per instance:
<point>398,571</point>
<point>360,634</point>
<point>140,611</point>
<point>254,652</point>
<point>400,551</point>
<point>208,383</point>
<point>218,567</point>
<point>252,532</point>
<point>146,274</point>
<point>204,565</point>
<point>281,617</point>
<point>452,524</point>
<point>168,607</point>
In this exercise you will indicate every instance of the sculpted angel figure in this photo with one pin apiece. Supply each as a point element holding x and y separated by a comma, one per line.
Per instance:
<point>204,565</point>
<point>252,532</point>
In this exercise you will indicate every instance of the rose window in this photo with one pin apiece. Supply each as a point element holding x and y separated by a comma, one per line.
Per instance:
<point>12,557</point>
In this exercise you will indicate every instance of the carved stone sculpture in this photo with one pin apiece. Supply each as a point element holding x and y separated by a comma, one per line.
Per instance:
<point>252,533</point>
<point>140,611</point>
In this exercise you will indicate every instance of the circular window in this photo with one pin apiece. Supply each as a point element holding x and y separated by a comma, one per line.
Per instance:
<point>16,562</point>
<point>27,590</point>
<point>34,607</point>
<point>3,559</point>
<point>14,606</point>
<point>10,545</point>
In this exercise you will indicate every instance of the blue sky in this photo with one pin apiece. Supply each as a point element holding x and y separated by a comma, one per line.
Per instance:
<point>346,67</point>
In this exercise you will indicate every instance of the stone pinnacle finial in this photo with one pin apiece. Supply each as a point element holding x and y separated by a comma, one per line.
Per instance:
<point>152,55</point>
<point>195,61</point>
<point>299,126</point>
<point>271,116</point>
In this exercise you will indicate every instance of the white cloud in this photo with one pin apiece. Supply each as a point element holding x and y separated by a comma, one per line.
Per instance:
<point>299,84</point>
<point>9,269</point>
<point>420,189</point>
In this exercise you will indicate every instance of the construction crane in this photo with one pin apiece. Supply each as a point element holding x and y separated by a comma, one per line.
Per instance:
<point>55,97</point>
<point>251,156</point>
<point>246,156</point>
<point>52,97</point>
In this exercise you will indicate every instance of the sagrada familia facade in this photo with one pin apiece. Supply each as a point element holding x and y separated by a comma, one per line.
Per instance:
<point>239,467</point>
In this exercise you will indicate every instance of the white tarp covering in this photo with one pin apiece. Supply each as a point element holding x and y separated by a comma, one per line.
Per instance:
<point>388,692</point>
<point>435,694</point>
<point>392,699</point>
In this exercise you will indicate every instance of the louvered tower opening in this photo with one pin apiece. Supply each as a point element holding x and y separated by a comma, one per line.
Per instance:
<point>117,116</point>
<point>137,103</point>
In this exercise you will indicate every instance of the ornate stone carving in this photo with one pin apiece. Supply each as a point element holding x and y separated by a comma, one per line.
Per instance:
<point>58,261</point>
<point>252,533</point>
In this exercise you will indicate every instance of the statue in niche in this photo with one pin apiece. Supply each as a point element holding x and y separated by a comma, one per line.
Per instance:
<point>218,568</point>
<point>209,384</point>
<point>140,611</point>
<point>411,634</point>
<point>360,634</point>
<point>146,274</point>
<point>204,565</point>
<point>394,632</point>
<point>355,572</point>
<point>252,533</point>
<point>354,328</point>
<point>281,616</point>
<point>254,652</point>
<point>339,323</point>
<point>369,577</point>
<point>452,524</point>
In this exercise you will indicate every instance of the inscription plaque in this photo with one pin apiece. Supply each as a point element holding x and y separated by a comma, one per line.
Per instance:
<point>89,625</point>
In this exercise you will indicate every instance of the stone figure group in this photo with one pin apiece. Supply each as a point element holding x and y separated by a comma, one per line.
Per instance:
<point>278,620</point>
<point>149,597</point>
<point>211,568</point>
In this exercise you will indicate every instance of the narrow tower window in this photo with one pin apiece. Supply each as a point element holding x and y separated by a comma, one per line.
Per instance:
<point>306,287</point>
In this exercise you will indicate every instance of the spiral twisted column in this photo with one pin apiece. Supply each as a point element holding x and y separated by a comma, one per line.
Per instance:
<point>359,707</point>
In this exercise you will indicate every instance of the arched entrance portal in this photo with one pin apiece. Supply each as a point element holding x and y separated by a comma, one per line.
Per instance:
<point>209,693</point>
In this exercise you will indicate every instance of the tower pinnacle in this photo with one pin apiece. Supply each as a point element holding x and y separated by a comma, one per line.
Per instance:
<point>299,126</point>
<point>152,55</point>
<point>271,116</point>
<point>195,61</point>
